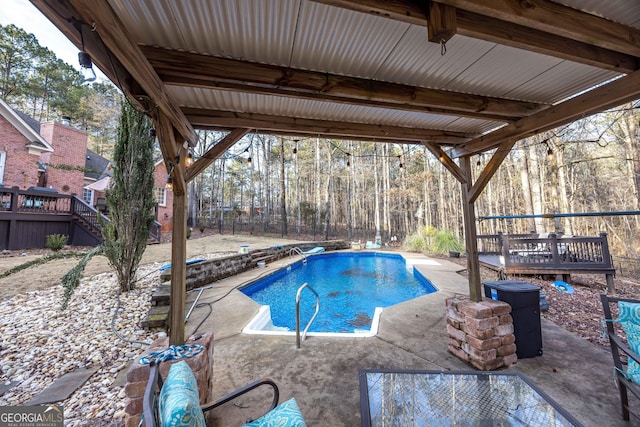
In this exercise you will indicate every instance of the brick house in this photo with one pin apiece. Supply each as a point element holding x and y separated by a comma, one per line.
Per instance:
<point>164,197</point>
<point>21,148</point>
<point>65,166</point>
<point>55,155</point>
<point>96,179</point>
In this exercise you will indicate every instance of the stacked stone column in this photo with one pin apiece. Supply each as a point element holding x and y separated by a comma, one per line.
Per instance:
<point>481,333</point>
<point>138,374</point>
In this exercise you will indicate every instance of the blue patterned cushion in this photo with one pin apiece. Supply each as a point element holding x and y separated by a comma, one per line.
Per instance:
<point>629,318</point>
<point>179,401</point>
<point>286,414</point>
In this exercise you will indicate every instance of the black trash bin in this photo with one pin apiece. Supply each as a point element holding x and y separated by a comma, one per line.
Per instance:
<point>524,299</point>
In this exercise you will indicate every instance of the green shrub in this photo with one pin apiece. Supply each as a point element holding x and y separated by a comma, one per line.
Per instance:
<point>55,242</point>
<point>445,241</point>
<point>415,243</point>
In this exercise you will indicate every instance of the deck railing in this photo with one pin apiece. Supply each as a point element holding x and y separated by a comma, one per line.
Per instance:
<point>28,216</point>
<point>550,252</point>
<point>34,200</point>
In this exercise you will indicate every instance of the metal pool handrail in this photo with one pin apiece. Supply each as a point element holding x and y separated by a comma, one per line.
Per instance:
<point>304,333</point>
<point>297,250</point>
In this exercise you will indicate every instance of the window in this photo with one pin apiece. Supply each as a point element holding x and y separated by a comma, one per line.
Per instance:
<point>160,195</point>
<point>87,196</point>
<point>3,157</point>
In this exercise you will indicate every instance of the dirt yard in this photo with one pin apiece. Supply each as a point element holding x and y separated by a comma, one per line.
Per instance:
<point>49,274</point>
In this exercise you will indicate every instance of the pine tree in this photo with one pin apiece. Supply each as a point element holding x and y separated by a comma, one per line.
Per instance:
<point>130,197</point>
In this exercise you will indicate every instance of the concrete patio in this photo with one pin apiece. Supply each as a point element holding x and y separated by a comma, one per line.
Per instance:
<point>323,374</point>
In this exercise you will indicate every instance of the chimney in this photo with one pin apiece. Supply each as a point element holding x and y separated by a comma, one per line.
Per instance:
<point>65,120</point>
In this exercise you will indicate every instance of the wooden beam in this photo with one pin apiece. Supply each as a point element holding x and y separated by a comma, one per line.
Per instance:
<point>172,80</point>
<point>171,149</point>
<point>617,92</point>
<point>301,126</point>
<point>441,23</point>
<point>215,152</point>
<point>471,234</point>
<point>178,270</point>
<point>490,169</point>
<point>59,12</point>
<point>487,27</point>
<point>506,33</point>
<point>448,163</point>
<point>555,18</point>
<point>115,37</point>
<point>189,69</point>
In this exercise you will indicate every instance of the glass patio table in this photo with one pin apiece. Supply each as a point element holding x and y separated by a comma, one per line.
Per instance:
<point>473,398</point>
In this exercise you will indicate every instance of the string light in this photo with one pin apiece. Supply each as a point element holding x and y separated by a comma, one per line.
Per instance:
<point>169,185</point>
<point>549,150</point>
<point>188,160</point>
<point>249,160</point>
<point>86,65</point>
<point>295,149</point>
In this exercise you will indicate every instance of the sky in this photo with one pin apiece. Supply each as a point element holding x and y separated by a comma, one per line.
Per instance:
<point>23,14</point>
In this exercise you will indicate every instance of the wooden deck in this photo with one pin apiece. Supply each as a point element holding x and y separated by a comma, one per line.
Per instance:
<point>549,255</point>
<point>27,217</point>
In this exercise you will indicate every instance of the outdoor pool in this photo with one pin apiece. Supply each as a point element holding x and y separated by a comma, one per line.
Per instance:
<point>353,288</point>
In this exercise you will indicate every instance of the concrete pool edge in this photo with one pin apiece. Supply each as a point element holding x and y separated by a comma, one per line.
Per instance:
<point>263,319</point>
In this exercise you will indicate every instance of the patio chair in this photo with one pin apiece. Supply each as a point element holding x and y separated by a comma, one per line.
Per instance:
<point>175,401</point>
<point>626,356</point>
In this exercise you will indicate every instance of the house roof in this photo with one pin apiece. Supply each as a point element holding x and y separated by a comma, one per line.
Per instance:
<point>96,166</point>
<point>460,76</point>
<point>100,185</point>
<point>33,123</point>
<point>27,126</point>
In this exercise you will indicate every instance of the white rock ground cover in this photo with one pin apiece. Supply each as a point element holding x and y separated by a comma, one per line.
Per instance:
<point>39,343</point>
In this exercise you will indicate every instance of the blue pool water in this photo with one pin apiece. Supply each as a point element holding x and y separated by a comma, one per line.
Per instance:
<point>350,286</point>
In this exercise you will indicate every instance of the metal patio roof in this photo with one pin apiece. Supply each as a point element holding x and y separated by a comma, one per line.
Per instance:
<point>264,64</point>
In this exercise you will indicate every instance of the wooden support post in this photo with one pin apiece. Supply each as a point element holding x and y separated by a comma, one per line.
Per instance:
<point>606,258</point>
<point>178,270</point>
<point>441,23</point>
<point>470,233</point>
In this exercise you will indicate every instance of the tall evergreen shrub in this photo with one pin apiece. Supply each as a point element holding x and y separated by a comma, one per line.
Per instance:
<point>130,196</point>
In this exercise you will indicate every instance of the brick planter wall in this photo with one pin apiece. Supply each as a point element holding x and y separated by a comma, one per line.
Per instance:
<point>481,333</point>
<point>138,374</point>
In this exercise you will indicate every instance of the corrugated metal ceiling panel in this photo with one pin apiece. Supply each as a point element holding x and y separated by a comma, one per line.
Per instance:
<point>260,31</point>
<point>309,35</point>
<point>516,74</point>
<point>288,107</point>
<point>501,70</point>
<point>144,18</point>
<point>560,82</point>
<point>418,62</point>
<point>353,44</point>
<point>623,11</point>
